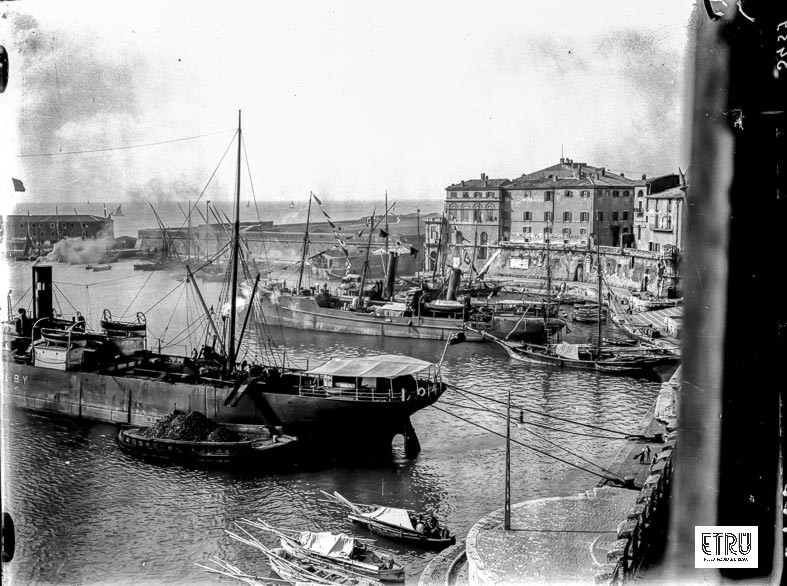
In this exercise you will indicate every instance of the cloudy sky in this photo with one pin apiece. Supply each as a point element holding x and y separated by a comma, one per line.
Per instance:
<point>346,99</point>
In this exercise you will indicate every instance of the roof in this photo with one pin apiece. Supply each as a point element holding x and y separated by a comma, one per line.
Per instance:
<point>53,218</point>
<point>566,168</point>
<point>595,182</point>
<point>478,184</point>
<point>671,193</point>
<point>385,366</point>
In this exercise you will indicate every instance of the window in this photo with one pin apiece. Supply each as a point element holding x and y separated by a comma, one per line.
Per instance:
<point>22,225</point>
<point>566,231</point>
<point>453,194</point>
<point>606,193</point>
<point>584,216</point>
<point>625,193</point>
<point>525,195</point>
<point>52,225</point>
<point>654,246</point>
<point>548,195</point>
<point>527,216</point>
<point>527,229</point>
<point>477,194</point>
<point>616,193</point>
<point>640,193</point>
<point>458,237</point>
<point>583,230</point>
<point>566,216</point>
<point>656,204</point>
<point>546,230</point>
<point>490,193</point>
<point>614,216</point>
<point>490,212</point>
<point>625,215</point>
<point>547,216</point>
<point>465,213</point>
<point>584,193</point>
<point>465,194</point>
<point>477,213</point>
<point>639,232</point>
<point>568,193</point>
<point>639,209</point>
<point>625,230</point>
<point>451,213</point>
<point>600,216</point>
<point>506,216</point>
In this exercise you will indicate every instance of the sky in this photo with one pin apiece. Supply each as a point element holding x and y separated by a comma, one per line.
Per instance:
<point>346,99</point>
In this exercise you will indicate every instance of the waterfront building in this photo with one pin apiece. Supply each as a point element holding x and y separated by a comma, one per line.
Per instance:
<point>659,215</point>
<point>564,200</point>
<point>479,215</point>
<point>46,229</point>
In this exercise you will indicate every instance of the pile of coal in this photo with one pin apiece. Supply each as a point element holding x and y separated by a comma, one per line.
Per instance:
<point>191,427</point>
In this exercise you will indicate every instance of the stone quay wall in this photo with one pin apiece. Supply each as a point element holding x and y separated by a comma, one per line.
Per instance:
<point>629,268</point>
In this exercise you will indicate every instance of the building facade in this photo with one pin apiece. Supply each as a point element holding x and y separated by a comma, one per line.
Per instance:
<point>47,229</point>
<point>479,215</point>
<point>659,215</point>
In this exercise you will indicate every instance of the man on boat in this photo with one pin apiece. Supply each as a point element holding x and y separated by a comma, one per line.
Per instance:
<point>22,323</point>
<point>420,525</point>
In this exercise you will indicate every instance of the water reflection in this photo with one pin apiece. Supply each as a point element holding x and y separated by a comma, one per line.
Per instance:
<point>86,512</point>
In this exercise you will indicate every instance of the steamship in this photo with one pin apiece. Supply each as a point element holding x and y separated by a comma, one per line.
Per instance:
<point>56,365</point>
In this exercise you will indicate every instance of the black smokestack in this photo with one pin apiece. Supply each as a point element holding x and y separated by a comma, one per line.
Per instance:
<point>42,292</point>
<point>390,278</point>
<point>453,284</point>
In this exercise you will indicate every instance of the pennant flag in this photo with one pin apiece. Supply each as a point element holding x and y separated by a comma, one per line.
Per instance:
<point>467,258</point>
<point>383,233</point>
<point>18,185</point>
<point>359,234</point>
<point>413,251</point>
<point>317,199</point>
<point>398,219</point>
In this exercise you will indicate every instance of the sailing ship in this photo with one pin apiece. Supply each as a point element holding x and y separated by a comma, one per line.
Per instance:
<point>374,313</point>
<point>627,360</point>
<point>54,364</point>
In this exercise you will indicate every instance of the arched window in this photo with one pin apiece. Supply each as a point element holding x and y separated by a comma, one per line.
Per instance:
<point>452,212</point>
<point>484,240</point>
<point>458,237</point>
<point>490,212</point>
<point>477,212</point>
<point>464,214</point>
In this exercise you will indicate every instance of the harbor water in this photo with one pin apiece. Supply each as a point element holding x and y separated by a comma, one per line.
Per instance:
<point>87,513</point>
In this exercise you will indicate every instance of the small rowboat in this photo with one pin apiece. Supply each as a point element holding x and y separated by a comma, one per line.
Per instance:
<point>132,440</point>
<point>395,524</point>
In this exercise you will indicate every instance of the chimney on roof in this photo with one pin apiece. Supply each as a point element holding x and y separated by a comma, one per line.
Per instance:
<point>622,175</point>
<point>463,182</point>
<point>562,160</point>
<point>483,176</point>
<point>603,172</point>
<point>644,176</point>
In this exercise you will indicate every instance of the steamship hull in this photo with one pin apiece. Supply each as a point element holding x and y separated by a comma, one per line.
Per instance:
<point>328,421</point>
<point>303,313</point>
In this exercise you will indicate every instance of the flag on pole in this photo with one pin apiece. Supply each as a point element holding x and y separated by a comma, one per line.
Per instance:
<point>18,185</point>
<point>383,233</point>
<point>317,199</point>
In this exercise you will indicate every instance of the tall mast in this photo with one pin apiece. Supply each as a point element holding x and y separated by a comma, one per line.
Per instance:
<point>230,365</point>
<point>549,265</point>
<point>366,258</point>
<point>188,240</point>
<point>417,232</point>
<point>598,266</point>
<point>305,244</point>
<point>386,225</point>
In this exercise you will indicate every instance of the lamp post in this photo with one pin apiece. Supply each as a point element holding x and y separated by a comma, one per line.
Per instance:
<point>507,517</point>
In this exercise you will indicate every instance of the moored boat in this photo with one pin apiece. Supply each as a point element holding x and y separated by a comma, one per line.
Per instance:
<point>337,549</point>
<point>396,524</point>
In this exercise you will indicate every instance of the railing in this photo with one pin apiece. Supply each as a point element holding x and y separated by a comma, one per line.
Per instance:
<point>367,394</point>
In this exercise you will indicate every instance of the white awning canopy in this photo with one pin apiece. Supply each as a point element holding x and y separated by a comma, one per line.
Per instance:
<point>397,517</point>
<point>328,544</point>
<point>385,366</point>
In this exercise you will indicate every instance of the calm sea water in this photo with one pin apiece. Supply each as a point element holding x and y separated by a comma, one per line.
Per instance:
<point>87,513</point>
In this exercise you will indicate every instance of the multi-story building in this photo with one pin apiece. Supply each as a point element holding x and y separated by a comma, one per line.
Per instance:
<point>570,201</point>
<point>478,213</point>
<point>659,214</point>
<point>45,230</point>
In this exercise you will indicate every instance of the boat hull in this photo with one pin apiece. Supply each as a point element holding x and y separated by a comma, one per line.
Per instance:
<point>402,535</point>
<point>327,421</point>
<point>213,453</point>
<point>304,313</point>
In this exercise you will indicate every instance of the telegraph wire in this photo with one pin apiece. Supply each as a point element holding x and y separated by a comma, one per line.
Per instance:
<point>120,148</point>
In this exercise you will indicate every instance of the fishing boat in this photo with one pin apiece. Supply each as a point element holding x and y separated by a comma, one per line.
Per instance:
<point>337,549</point>
<point>303,571</point>
<point>55,364</point>
<point>98,268</point>
<point>262,448</point>
<point>589,313</point>
<point>397,524</point>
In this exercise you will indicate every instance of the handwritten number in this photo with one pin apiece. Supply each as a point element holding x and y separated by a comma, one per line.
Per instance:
<point>780,64</point>
<point>781,38</point>
<point>781,24</point>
